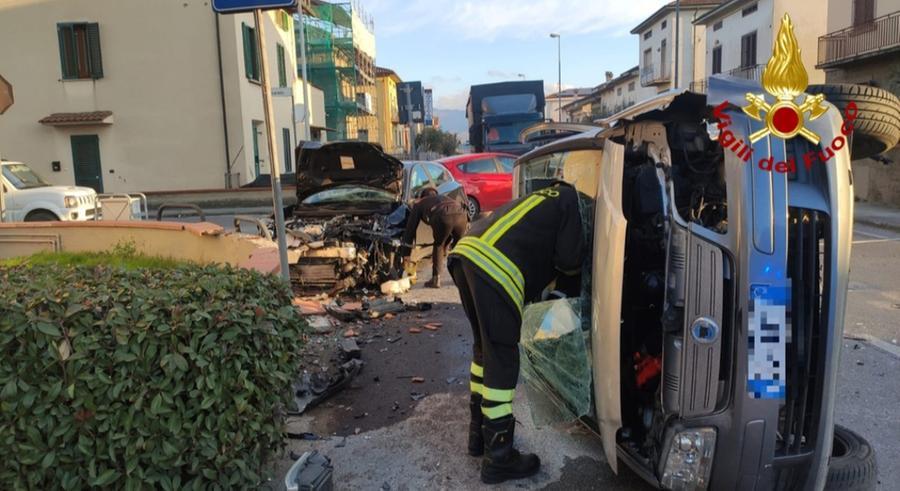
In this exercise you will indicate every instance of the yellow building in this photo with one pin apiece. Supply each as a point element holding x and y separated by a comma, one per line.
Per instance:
<point>391,134</point>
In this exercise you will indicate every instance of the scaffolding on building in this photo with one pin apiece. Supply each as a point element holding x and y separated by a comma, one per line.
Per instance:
<point>344,72</point>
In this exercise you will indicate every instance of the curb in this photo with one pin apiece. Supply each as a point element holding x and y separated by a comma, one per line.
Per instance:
<point>882,345</point>
<point>873,222</point>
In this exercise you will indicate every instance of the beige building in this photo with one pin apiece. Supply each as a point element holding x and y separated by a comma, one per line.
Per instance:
<point>129,95</point>
<point>659,40</point>
<point>862,46</point>
<point>623,91</point>
<point>740,35</point>
<point>561,99</point>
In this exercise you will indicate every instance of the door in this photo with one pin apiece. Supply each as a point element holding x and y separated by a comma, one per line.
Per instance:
<point>86,161</point>
<point>255,131</point>
<point>484,181</point>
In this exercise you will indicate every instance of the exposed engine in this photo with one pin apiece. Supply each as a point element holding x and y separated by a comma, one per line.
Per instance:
<point>343,252</point>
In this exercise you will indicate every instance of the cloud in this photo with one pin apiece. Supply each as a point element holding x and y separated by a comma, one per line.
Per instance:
<point>491,19</point>
<point>452,100</point>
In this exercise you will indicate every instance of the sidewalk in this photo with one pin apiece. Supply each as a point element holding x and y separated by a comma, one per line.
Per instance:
<point>877,216</point>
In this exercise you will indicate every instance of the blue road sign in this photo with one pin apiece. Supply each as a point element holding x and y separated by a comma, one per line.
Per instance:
<point>234,6</point>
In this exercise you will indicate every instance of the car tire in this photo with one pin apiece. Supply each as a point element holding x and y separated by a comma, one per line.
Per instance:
<point>852,465</point>
<point>41,216</point>
<point>473,209</point>
<point>877,126</point>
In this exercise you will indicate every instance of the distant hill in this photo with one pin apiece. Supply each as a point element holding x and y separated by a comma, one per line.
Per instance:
<point>454,121</point>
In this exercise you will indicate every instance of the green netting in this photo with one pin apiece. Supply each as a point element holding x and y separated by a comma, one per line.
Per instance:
<point>555,361</point>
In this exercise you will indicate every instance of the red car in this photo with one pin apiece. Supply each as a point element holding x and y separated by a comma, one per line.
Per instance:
<point>486,177</point>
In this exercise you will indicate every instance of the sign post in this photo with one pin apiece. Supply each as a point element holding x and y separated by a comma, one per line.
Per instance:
<point>257,7</point>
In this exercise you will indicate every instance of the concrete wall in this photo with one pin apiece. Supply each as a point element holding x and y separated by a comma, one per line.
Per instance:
<point>840,12</point>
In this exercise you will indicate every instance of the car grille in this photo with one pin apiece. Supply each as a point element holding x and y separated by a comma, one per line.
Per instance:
<point>808,253</point>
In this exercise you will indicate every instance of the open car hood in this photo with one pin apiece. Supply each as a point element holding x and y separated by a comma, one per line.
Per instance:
<point>324,165</point>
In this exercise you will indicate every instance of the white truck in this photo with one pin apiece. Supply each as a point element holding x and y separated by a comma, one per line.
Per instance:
<point>27,197</point>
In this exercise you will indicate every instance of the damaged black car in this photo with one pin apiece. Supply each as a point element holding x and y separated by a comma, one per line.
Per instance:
<point>353,200</point>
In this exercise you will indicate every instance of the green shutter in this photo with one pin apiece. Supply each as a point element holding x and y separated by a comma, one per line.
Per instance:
<point>64,34</point>
<point>286,136</point>
<point>282,72</point>
<point>95,60</point>
<point>248,51</point>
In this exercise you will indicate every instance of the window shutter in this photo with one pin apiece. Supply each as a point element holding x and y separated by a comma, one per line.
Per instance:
<point>96,59</point>
<point>64,33</point>
<point>286,136</point>
<point>282,72</point>
<point>248,53</point>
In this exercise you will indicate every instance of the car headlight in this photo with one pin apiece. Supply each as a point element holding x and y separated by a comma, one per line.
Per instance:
<point>71,201</point>
<point>689,460</point>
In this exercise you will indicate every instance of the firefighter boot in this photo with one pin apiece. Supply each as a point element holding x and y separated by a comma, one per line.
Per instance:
<point>502,462</point>
<point>434,282</point>
<point>476,439</point>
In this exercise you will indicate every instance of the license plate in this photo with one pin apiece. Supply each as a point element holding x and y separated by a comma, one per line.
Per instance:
<point>768,335</point>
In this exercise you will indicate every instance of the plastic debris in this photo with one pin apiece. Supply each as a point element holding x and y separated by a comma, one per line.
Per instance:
<point>312,389</point>
<point>414,330</point>
<point>311,472</point>
<point>418,380</point>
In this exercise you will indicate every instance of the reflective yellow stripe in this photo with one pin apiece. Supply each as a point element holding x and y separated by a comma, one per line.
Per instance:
<point>500,277</point>
<point>493,234</point>
<point>476,370</point>
<point>498,395</point>
<point>501,260</point>
<point>476,387</point>
<point>497,411</point>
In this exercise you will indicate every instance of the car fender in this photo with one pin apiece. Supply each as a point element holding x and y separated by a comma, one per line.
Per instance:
<point>31,206</point>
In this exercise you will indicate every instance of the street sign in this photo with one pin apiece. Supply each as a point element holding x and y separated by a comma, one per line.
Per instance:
<point>6,95</point>
<point>282,91</point>
<point>235,6</point>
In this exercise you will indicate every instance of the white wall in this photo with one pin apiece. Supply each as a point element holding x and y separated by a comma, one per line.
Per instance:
<point>840,12</point>
<point>691,45</point>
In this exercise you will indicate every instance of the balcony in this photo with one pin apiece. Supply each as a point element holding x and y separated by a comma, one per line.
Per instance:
<point>698,86</point>
<point>752,72</point>
<point>854,43</point>
<point>654,75</point>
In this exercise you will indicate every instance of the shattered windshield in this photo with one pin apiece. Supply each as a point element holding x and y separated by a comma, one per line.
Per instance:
<point>350,194</point>
<point>22,177</point>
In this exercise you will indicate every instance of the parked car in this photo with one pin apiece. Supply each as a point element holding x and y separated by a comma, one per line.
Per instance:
<point>716,293</point>
<point>353,200</point>
<point>28,197</point>
<point>486,177</point>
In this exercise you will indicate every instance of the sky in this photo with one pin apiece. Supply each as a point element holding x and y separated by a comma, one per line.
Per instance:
<point>452,44</point>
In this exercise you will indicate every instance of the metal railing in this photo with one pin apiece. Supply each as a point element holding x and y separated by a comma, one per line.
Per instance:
<point>868,39</point>
<point>698,86</point>
<point>653,75</point>
<point>752,72</point>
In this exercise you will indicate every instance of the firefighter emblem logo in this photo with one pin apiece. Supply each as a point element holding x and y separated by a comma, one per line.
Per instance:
<point>785,79</point>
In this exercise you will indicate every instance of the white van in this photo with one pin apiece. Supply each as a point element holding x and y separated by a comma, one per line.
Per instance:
<point>27,197</point>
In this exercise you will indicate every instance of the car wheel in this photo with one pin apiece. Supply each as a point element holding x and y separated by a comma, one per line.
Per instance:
<point>41,216</point>
<point>852,465</point>
<point>472,207</point>
<point>877,126</point>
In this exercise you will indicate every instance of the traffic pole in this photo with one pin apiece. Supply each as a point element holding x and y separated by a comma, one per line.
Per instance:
<point>274,164</point>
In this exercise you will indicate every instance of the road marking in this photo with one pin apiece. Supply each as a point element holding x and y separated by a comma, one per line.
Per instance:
<point>875,241</point>
<point>878,343</point>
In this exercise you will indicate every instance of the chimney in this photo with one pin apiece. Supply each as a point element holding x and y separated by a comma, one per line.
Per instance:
<point>609,76</point>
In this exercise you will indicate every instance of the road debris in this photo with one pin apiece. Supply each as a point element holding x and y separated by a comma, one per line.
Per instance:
<point>312,471</point>
<point>350,333</point>
<point>414,330</point>
<point>320,324</point>
<point>418,380</point>
<point>350,348</point>
<point>313,388</point>
<point>417,396</point>
<point>309,306</point>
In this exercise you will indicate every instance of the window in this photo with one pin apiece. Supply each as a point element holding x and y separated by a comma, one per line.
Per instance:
<point>717,60</point>
<point>749,10</point>
<point>748,50</point>
<point>664,24</point>
<point>286,138</point>
<point>283,19</point>
<point>79,50</point>
<point>648,58</point>
<point>717,26</point>
<point>282,70</point>
<point>480,166</point>
<point>648,34</point>
<point>438,173</point>
<point>863,12</point>
<point>630,86</point>
<point>506,163</point>
<point>418,179</point>
<point>618,90</point>
<point>251,53</point>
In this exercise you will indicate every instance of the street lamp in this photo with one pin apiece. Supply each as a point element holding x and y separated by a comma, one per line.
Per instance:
<point>559,73</point>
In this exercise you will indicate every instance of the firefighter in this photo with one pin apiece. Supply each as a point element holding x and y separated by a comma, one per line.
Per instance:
<point>448,221</point>
<point>504,262</point>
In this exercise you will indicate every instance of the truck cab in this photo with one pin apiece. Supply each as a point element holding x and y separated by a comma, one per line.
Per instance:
<point>28,197</point>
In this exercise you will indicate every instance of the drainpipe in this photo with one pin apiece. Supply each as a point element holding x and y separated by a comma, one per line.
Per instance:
<point>677,32</point>
<point>222,95</point>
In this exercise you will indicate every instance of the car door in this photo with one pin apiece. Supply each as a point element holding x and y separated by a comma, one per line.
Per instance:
<point>445,183</point>
<point>419,179</point>
<point>485,182</point>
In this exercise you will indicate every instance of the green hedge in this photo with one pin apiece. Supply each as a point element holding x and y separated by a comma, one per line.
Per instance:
<point>142,378</point>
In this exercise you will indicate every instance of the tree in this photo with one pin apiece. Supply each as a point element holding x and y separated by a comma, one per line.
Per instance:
<point>434,140</point>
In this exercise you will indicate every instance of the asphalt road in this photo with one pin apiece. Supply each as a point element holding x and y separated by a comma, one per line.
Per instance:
<point>379,437</point>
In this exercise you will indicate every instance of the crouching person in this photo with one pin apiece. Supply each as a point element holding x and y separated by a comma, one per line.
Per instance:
<point>448,221</point>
